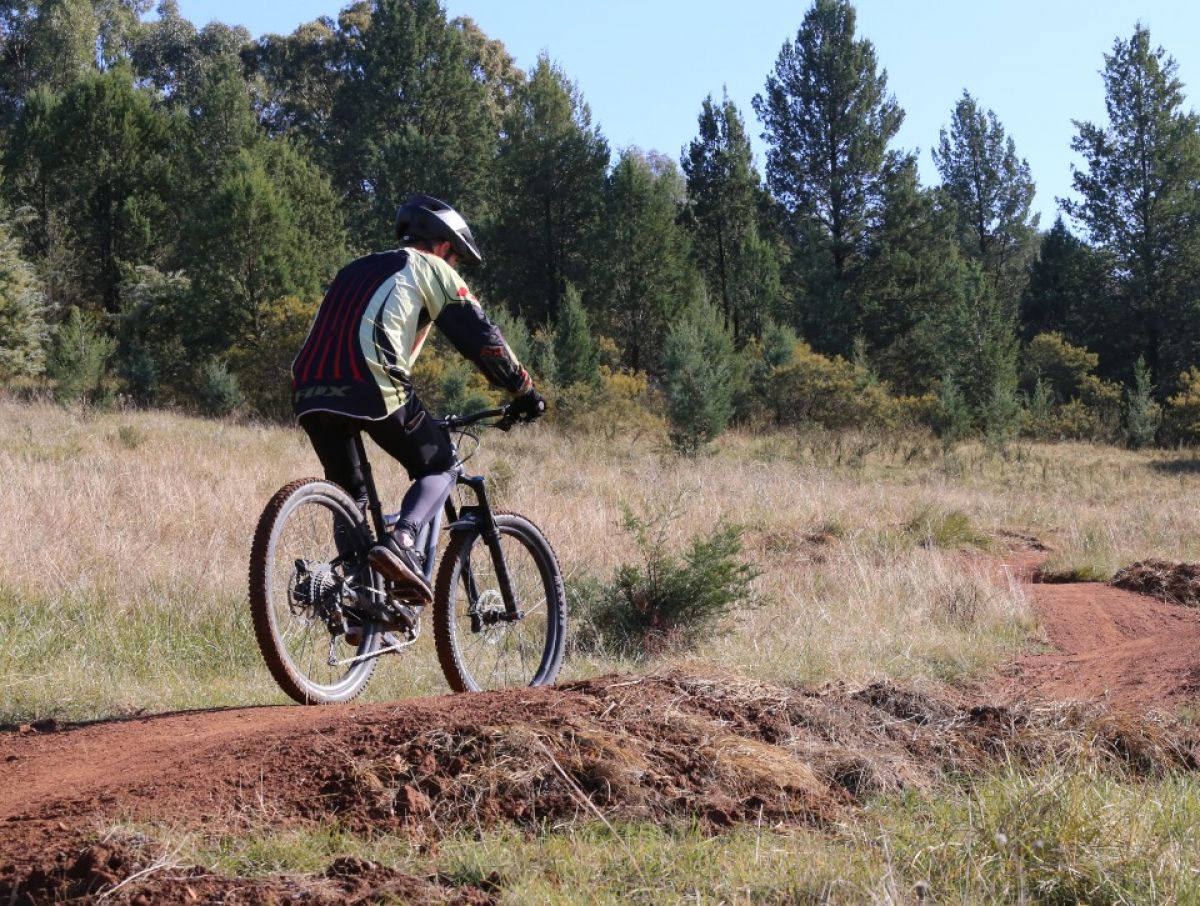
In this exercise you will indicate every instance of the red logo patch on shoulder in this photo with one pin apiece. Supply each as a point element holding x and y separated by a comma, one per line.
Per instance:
<point>463,292</point>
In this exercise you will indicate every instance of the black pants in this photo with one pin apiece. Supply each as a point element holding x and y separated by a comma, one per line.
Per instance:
<point>408,435</point>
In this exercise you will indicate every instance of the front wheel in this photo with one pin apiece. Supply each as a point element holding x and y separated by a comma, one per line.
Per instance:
<point>480,646</point>
<point>305,595</point>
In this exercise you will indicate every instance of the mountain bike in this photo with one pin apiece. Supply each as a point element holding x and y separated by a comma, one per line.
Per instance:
<point>323,617</point>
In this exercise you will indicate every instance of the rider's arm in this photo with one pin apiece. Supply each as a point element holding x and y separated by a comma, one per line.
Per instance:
<point>476,338</point>
<point>460,318</point>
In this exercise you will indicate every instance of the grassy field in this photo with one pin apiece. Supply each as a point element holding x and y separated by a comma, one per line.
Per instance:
<point>1057,836</point>
<point>126,537</point>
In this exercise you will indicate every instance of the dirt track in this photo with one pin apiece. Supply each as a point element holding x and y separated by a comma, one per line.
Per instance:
<point>652,748</point>
<point>1130,651</point>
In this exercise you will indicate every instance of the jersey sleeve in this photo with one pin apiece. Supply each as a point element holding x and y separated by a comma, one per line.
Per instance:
<point>460,318</point>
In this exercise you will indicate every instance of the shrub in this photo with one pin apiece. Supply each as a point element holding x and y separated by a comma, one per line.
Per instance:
<point>156,316</point>
<point>1143,415</point>
<point>701,378</point>
<point>1001,416</point>
<point>79,357</point>
<point>262,363</point>
<point>1182,422</point>
<point>623,405</point>
<point>669,603</point>
<point>446,382</point>
<point>1062,367</point>
<point>829,392</point>
<point>950,530</point>
<point>218,391</point>
<point>952,419</point>
<point>1066,400</point>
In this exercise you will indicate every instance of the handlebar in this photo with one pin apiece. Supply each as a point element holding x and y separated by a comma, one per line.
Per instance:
<point>453,422</point>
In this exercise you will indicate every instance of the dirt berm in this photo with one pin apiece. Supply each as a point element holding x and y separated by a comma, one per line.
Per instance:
<point>675,745</point>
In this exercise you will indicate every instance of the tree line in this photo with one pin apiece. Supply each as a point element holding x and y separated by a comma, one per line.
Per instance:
<point>174,200</point>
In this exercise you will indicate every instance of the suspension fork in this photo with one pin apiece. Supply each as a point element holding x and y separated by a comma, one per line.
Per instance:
<point>491,537</point>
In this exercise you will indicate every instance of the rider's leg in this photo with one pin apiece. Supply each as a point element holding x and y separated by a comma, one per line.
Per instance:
<point>332,437</point>
<point>424,450</point>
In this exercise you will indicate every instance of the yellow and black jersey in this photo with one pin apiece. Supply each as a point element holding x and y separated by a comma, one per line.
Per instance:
<point>357,359</point>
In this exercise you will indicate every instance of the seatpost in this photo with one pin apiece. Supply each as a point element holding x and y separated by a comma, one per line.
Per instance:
<point>373,504</point>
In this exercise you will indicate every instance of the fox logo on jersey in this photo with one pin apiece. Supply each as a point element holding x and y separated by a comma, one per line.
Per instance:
<point>323,391</point>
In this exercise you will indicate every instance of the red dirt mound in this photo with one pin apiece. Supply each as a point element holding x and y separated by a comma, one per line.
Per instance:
<point>1130,651</point>
<point>133,872</point>
<point>1176,583</point>
<point>713,748</point>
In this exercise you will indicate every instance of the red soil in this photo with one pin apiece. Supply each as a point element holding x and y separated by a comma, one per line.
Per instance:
<point>715,749</point>
<point>1130,651</point>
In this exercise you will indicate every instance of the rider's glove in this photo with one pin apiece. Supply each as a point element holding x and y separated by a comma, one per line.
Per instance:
<point>527,407</point>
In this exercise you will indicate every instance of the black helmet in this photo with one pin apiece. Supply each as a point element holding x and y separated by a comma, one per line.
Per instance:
<point>425,217</point>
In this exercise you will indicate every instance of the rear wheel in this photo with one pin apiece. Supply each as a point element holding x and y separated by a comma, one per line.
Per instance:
<point>309,614</point>
<point>478,646</point>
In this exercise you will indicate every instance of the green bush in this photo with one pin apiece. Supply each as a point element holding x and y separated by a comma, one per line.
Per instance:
<point>1143,416</point>
<point>219,393</point>
<point>952,420</point>
<point>830,392</point>
<point>667,602</point>
<point>262,361</point>
<point>622,406</point>
<point>157,316</point>
<point>701,378</point>
<point>1066,401</point>
<point>1182,421</point>
<point>79,358</point>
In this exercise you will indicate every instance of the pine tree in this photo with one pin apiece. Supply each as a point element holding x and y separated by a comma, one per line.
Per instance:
<point>993,191</point>
<point>1138,201</point>
<point>828,121</point>
<point>913,277</point>
<point>410,116</point>
<point>1143,416</point>
<point>23,328</point>
<point>974,341</point>
<point>269,231</point>
<point>701,377</point>
<point>577,360</point>
<point>1070,292</point>
<point>722,215</point>
<point>79,356</point>
<point>96,167</point>
<point>648,278</point>
<point>550,173</point>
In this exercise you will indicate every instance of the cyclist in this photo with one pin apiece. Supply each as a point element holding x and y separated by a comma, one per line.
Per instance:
<point>353,372</point>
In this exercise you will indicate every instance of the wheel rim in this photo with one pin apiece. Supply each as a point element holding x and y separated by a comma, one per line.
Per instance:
<point>494,654</point>
<point>302,583</point>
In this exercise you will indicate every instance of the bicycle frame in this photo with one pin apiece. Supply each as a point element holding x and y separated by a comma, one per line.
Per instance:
<point>478,516</point>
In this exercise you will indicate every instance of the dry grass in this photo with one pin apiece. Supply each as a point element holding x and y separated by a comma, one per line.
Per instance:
<point>126,537</point>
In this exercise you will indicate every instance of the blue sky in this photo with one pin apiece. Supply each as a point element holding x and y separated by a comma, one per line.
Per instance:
<point>645,67</point>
